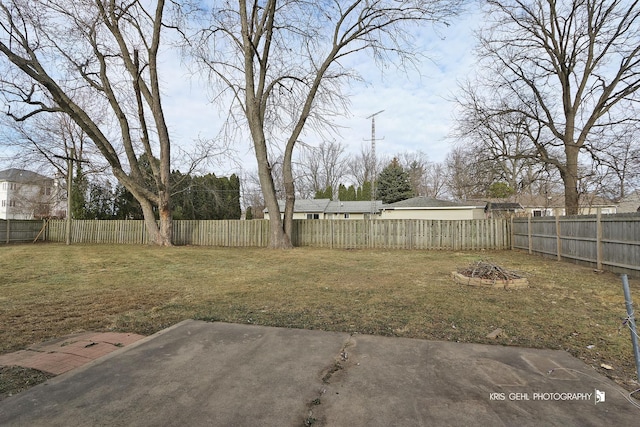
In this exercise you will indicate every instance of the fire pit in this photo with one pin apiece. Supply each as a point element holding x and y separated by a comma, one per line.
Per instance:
<point>483,273</point>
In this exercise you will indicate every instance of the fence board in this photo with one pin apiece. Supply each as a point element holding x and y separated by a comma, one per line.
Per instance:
<point>610,242</point>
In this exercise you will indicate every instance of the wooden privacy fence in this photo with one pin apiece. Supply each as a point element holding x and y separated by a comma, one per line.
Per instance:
<point>609,242</point>
<point>15,231</point>
<point>403,234</point>
<point>185,232</point>
<point>345,234</point>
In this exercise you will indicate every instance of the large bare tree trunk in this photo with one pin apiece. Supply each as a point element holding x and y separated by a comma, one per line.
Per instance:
<point>569,175</point>
<point>278,239</point>
<point>289,191</point>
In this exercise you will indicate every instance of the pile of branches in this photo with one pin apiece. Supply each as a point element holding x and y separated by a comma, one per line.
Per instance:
<point>487,270</point>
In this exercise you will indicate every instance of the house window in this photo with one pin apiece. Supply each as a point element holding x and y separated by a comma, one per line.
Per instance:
<point>537,212</point>
<point>4,203</point>
<point>346,216</point>
<point>313,216</point>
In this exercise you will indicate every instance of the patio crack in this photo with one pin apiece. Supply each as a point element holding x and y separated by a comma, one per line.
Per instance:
<point>332,374</point>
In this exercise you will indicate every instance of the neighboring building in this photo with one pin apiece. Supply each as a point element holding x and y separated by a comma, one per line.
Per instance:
<point>28,195</point>
<point>429,208</point>
<point>503,209</point>
<point>435,209</point>
<point>330,209</point>
<point>553,205</point>
<point>631,203</point>
<point>414,208</point>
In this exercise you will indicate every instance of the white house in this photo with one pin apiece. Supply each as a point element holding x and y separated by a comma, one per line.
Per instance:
<point>28,195</point>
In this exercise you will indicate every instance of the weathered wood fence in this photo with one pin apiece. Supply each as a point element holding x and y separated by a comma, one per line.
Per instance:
<point>403,234</point>
<point>16,231</point>
<point>344,234</point>
<point>606,242</point>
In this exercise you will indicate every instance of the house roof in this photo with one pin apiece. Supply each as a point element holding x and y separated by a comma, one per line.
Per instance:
<point>548,201</point>
<point>306,205</point>
<point>422,202</point>
<point>330,206</point>
<point>22,176</point>
<point>352,207</point>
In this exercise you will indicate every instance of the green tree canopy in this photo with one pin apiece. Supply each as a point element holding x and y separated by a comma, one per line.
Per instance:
<point>394,184</point>
<point>500,190</point>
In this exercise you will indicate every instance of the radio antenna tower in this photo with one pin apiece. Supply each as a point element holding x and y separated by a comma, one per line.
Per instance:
<point>373,161</point>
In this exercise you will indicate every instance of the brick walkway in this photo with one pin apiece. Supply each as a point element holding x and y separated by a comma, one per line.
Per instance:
<point>70,352</point>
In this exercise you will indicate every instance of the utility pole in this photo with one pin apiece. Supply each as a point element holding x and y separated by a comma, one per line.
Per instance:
<point>373,161</point>
<point>70,159</point>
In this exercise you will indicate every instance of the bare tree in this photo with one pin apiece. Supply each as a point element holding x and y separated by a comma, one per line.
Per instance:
<point>435,177</point>
<point>359,165</point>
<point>464,180</point>
<point>284,64</point>
<point>427,178</point>
<point>322,167</point>
<point>500,141</point>
<point>569,70</point>
<point>44,142</point>
<point>618,165</point>
<point>86,59</point>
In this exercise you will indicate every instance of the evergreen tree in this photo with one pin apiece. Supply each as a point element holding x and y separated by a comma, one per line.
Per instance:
<point>500,190</point>
<point>79,188</point>
<point>351,193</point>
<point>364,193</point>
<point>100,203</point>
<point>125,205</point>
<point>327,193</point>
<point>394,184</point>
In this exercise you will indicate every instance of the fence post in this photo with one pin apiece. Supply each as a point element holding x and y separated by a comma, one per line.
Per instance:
<point>599,239</point>
<point>529,234</point>
<point>558,240</point>
<point>511,232</point>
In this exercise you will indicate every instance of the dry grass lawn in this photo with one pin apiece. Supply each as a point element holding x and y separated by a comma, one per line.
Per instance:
<point>50,290</point>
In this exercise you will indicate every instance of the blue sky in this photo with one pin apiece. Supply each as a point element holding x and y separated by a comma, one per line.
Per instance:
<point>417,108</point>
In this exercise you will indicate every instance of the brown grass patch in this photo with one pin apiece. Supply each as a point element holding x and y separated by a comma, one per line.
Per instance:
<point>50,290</point>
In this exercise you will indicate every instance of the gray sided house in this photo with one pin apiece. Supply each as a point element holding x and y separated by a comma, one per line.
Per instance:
<point>28,195</point>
